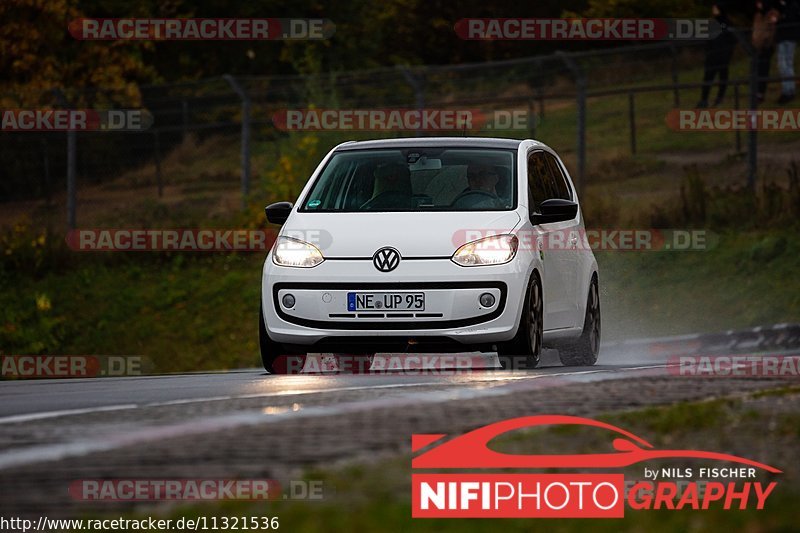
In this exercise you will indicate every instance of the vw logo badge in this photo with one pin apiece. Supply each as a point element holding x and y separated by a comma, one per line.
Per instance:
<point>386,259</point>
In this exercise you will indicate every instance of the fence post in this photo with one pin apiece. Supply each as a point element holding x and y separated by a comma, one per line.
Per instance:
<point>676,96</point>
<point>580,83</point>
<point>540,89</point>
<point>531,119</point>
<point>184,118</point>
<point>736,107</point>
<point>417,84</point>
<point>632,119</point>
<point>46,184</point>
<point>157,158</point>
<point>242,93</point>
<point>752,134</point>
<point>72,165</point>
<point>541,104</point>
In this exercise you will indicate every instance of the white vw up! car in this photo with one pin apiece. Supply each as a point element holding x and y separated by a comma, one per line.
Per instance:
<point>432,245</point>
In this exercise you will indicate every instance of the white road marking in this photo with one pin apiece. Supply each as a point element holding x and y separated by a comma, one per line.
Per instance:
<point>138,434</point>
<point>13,419</point>
<point>66,412</point>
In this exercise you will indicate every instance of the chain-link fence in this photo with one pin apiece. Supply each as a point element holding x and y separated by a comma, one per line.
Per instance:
<point>587,105</point>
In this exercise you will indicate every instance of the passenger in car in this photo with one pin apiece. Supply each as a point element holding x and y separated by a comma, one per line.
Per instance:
<point>391,189</point>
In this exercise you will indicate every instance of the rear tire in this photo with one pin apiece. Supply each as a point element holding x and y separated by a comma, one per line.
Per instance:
<point>527,343</point>
<point>584,350</point>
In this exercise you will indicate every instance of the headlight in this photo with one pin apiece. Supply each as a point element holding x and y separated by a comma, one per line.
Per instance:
<point>295,253</point>
<point>494,250</point>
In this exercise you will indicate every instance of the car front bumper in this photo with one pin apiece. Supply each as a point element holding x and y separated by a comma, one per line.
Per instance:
<point>452,308</point>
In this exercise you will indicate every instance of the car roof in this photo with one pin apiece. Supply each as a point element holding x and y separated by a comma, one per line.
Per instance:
<point>468,142</point>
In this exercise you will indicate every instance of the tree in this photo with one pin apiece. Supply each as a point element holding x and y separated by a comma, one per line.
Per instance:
<point>39,56</point>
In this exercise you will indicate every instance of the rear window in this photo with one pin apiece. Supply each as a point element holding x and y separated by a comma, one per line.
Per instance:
<point>415,179</point>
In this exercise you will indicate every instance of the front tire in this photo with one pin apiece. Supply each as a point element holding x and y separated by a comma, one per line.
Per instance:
<point>270,350</point>
<point>527,343</point>
<point>584,350</point>
<point>273,352</point>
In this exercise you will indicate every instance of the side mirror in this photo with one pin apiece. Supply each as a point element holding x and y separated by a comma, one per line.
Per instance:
<point>278,212</point>
<point>555,210</point>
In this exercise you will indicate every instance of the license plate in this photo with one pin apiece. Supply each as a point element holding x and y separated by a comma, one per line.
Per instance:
<point>385,301</point>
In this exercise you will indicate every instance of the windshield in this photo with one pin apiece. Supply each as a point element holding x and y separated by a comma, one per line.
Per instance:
<point>415,179</point>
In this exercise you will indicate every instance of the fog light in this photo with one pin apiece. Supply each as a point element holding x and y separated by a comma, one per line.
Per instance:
<point>486,299</point>
<point>288,301</point>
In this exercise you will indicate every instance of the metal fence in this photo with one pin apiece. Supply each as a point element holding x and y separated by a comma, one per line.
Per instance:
<point>560,92</point>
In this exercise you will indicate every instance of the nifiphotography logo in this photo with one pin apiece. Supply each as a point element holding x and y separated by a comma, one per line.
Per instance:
<point>728,483</point>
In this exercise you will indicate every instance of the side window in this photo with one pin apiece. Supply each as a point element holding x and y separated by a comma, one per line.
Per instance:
<point>539,180</point>
<point>560,185</point>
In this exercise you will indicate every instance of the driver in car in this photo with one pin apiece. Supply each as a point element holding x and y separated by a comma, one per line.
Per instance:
<point>481,192</point>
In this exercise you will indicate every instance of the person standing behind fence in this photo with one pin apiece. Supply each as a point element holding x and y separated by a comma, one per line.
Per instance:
<point>764,24</point>
<point>718,56</point>
<point>787,34</point>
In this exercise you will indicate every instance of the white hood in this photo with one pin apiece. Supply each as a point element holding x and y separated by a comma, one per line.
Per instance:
<point>418,234</point>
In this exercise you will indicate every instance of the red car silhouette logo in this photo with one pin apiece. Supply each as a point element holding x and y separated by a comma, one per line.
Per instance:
<point>471,450</point>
